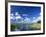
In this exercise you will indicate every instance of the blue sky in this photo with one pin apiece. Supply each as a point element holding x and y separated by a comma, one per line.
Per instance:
<point>26,11</point>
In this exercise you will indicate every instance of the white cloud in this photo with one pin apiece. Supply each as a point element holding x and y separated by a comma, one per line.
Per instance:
<point>37,19</point>
<point>18,17</point>
<point>12,16</point>
<point>16,13</point>
<point>27,20</point>
<point>34,17</point>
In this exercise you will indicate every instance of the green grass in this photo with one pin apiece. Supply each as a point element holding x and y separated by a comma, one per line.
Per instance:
<point>35,26</point>
<point>14,26</point>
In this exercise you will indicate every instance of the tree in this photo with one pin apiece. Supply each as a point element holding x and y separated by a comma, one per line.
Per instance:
<point>39,22</point>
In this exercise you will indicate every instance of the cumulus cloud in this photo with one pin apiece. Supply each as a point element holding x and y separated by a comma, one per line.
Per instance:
<point>27,20</point>
<point>37,19</point>
<point>16,13</point>
<point>34,17</point>
<point>12,16</point>
<point>17,16</point>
